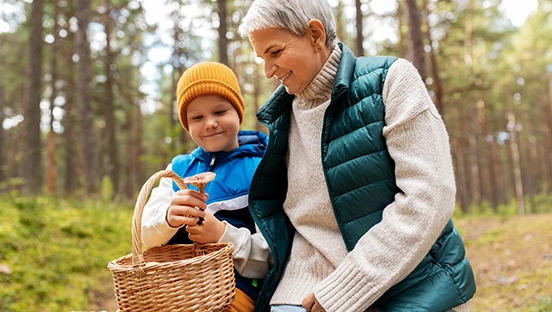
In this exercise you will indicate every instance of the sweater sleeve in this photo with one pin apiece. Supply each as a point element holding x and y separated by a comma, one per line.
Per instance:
<point>417,141</point>
<point>252,256</point>
<point>155,229</point>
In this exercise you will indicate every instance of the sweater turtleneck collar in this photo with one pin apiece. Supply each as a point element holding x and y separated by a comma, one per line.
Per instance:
<point>320,89</point>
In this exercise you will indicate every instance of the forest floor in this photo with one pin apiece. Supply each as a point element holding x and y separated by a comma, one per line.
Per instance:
<point>53,256</point>
<point>512,261</point>
<point>511,258</point>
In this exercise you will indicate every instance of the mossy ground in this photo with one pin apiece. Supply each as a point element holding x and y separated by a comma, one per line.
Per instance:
<point>54,253</point>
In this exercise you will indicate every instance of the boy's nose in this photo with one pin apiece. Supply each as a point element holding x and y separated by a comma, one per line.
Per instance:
<point>211,123</point>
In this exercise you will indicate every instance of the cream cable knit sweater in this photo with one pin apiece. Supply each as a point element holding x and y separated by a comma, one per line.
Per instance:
<point>418,142</point>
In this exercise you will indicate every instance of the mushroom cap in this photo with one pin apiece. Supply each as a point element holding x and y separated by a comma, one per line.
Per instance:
<point>200,178</point>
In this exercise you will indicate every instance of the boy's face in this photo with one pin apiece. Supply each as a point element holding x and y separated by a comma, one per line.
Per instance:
<point>213,123</point>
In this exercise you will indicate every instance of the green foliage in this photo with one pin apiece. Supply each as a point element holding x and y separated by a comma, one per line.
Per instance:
<point>58,250</point>
<point>543,305</point>
<point>106,189</point>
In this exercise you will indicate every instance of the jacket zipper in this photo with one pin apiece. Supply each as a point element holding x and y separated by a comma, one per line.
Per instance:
<point>212,163</point>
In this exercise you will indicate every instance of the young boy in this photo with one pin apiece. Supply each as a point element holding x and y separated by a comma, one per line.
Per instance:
<point>211,109</point>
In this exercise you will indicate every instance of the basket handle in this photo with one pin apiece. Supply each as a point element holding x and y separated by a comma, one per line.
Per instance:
<point>137,255</point>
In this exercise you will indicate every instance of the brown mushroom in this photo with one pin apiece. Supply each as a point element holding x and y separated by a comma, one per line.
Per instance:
<point>200,180</point>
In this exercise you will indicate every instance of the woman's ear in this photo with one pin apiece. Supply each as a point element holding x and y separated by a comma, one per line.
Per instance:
<point>316,33</point>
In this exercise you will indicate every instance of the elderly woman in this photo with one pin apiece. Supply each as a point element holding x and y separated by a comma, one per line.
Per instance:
<point>356,191</point>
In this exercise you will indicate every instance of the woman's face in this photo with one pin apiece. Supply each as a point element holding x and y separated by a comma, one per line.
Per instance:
<point>293,60</point>
<point>214,123</point>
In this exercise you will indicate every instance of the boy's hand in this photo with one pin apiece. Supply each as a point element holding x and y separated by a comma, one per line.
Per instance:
<point>210,231</point>
<point>186,208</point>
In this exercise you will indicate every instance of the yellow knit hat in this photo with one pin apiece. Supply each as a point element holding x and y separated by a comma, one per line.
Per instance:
<point>208,78</point>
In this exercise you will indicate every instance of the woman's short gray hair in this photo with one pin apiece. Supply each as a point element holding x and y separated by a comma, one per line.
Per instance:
<point>293,15</point>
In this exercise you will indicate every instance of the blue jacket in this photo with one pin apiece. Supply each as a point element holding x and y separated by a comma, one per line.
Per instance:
<point>229,191</point>
<point>352,138</point>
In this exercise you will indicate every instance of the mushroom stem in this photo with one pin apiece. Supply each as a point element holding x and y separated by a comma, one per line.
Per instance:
<point>200,181</point>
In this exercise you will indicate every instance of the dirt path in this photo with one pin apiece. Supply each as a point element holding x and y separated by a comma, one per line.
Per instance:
<point>512,261</point>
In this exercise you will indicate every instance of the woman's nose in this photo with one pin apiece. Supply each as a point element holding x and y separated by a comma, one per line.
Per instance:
<point>269,69</point>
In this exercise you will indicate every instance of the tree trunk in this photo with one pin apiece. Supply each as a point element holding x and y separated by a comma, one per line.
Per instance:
<point>178,135</point>
<point>129,182</point>
<point>402,40</point>
<point>514,150</point>
<point>499,180</point>
<point>51,176</point>
<point>547,131</point>
<point>359,27</point>
<point>112,169</point>
<point>179,53</point>
<point>69,145</point>
<point>438,87</point>
<point>473,159</point>
<point>473,134</point>
<point>86,113</point>
<point>527,162</point>
<point>489,170</point>
<point>415,39</point>
<point>139,146</point>
<point>464,156</point>
<point>134,151</point>
<point>458,147</point>
<point>340,21</point>
<point>3,166</point>
<point>222,30</point>
<point>18,138</point>
<point>32,171</point>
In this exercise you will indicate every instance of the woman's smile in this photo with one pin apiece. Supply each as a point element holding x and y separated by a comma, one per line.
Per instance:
<point>283,78</point>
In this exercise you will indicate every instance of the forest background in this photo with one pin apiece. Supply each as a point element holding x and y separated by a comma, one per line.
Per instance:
<point>88,113</point>
<point>87,88</point>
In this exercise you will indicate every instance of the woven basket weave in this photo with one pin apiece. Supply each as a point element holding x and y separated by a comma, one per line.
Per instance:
<point>186,277</point>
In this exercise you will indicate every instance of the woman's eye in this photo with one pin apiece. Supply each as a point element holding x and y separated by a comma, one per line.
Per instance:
<point>276,53</point>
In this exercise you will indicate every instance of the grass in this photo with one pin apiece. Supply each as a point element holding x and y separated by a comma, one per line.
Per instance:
<point>512,261</point>
<point>54,253</point>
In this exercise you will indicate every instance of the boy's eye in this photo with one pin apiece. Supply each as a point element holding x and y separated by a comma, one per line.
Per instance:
<point>221,112</point>
<point>196,117</point>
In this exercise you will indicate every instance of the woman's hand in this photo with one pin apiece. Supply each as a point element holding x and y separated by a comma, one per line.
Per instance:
<point>210,231</point>
<point>311,304</point>
<point>186,208</point>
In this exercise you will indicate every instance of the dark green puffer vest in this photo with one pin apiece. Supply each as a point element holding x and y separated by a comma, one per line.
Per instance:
<point>351,139</point>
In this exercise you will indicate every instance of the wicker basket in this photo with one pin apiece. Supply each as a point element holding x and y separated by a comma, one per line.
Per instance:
<point>186,277</point>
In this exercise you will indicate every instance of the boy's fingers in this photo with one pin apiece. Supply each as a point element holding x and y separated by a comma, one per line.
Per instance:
<point>189,201</point>
<point>188,211</point>
<point>192,193</point>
